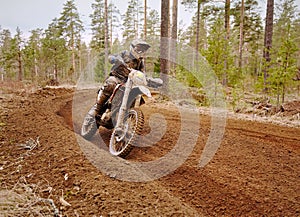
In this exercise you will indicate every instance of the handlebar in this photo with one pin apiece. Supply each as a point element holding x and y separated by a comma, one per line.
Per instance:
<point>154,82</point>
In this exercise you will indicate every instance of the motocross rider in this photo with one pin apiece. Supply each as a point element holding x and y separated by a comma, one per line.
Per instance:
<point>133,59</point>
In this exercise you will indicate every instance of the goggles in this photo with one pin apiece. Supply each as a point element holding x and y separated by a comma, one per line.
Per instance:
<point>139,50</point>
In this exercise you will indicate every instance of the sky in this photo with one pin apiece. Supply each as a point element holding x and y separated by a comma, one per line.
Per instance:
<point>32,14</point>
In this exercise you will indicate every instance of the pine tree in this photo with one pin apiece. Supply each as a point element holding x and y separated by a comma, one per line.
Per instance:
<point>54,52</point>
<point>215,53</point>
<point>114,22</point>
<point>32,54</point>
<point>285,18</point>
<point>227,37</point>
<point>174,32</point>
<point>101,18</point>
<point>192,36</point>
<point>6,59</point>
<point>164,34</point>
<point>132,20</point>
<point>153,23</point>
<point>97,25</point>
<point>16,53</point>
<point>251,35</point>
<point>268,40</point>
<point>196,4</point>
<point>284,68</point>
<point>71,28</point>
<point>284,58</point>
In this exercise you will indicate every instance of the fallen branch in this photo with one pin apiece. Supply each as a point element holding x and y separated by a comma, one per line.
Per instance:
<point>30,144</point>
<point>23,200</point>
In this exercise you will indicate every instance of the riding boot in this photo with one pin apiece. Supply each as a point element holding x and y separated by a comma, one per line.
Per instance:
<point>100,105</point>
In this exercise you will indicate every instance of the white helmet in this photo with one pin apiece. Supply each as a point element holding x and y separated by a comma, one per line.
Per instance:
<point>138,48</point>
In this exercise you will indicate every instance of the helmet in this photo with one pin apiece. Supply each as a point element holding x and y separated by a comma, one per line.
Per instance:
<point>138,48</point>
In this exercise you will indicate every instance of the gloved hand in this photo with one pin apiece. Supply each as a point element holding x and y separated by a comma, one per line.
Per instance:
<point>115,59</point>
<point>111,59</point>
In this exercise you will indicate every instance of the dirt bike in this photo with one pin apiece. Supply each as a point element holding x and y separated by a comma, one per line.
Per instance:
<point>122,113</point>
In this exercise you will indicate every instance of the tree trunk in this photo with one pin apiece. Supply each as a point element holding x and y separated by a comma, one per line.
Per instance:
<point>55,73</point>
<point>137,20</point>
<point>36,67</point>
<point>111,27</point>
<point>106,38</point>
<point>74,69</point>
<point>227,27</point>
<point>241,36</point>
<point>173,47</point>
<point>227,18</point>
<point>268,39</point>
<point>145,30</point>
<point>198,30</point>
<point>20,73</point>
<point>164,43</point>
<point>145,19</point>
<point>283,94</point>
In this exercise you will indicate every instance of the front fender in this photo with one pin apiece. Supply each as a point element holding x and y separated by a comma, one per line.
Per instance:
<point>135,93</point>
<point>144,90</point>
<point>140,90</point>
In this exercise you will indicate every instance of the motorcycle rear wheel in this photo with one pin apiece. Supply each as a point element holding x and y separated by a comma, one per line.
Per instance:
<point>133,125</point>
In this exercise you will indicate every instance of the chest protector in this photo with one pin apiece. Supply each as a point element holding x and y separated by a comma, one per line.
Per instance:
<point>122,72</point>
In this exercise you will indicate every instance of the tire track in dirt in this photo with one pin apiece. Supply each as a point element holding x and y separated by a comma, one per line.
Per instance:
<point>244,178</point>
<point>254,173</point>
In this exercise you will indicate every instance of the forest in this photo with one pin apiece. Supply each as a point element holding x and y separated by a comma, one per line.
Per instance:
<point>219,138</point>
<point>249,50</point>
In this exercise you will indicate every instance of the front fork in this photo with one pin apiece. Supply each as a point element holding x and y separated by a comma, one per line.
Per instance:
<point>119,128</point>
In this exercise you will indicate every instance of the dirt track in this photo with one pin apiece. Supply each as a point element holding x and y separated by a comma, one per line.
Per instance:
<point>256,171</point>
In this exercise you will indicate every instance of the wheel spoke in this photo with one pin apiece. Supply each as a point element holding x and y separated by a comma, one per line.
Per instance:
<point>133,120</point>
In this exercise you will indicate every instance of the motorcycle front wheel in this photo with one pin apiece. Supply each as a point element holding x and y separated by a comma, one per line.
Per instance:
<point>89,126</point>
<point>121,145</point>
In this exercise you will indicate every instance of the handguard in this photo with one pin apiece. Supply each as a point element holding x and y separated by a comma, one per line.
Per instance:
<point>154,82</point>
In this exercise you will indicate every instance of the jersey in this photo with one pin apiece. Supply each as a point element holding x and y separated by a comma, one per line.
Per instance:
<point>120,71</point>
